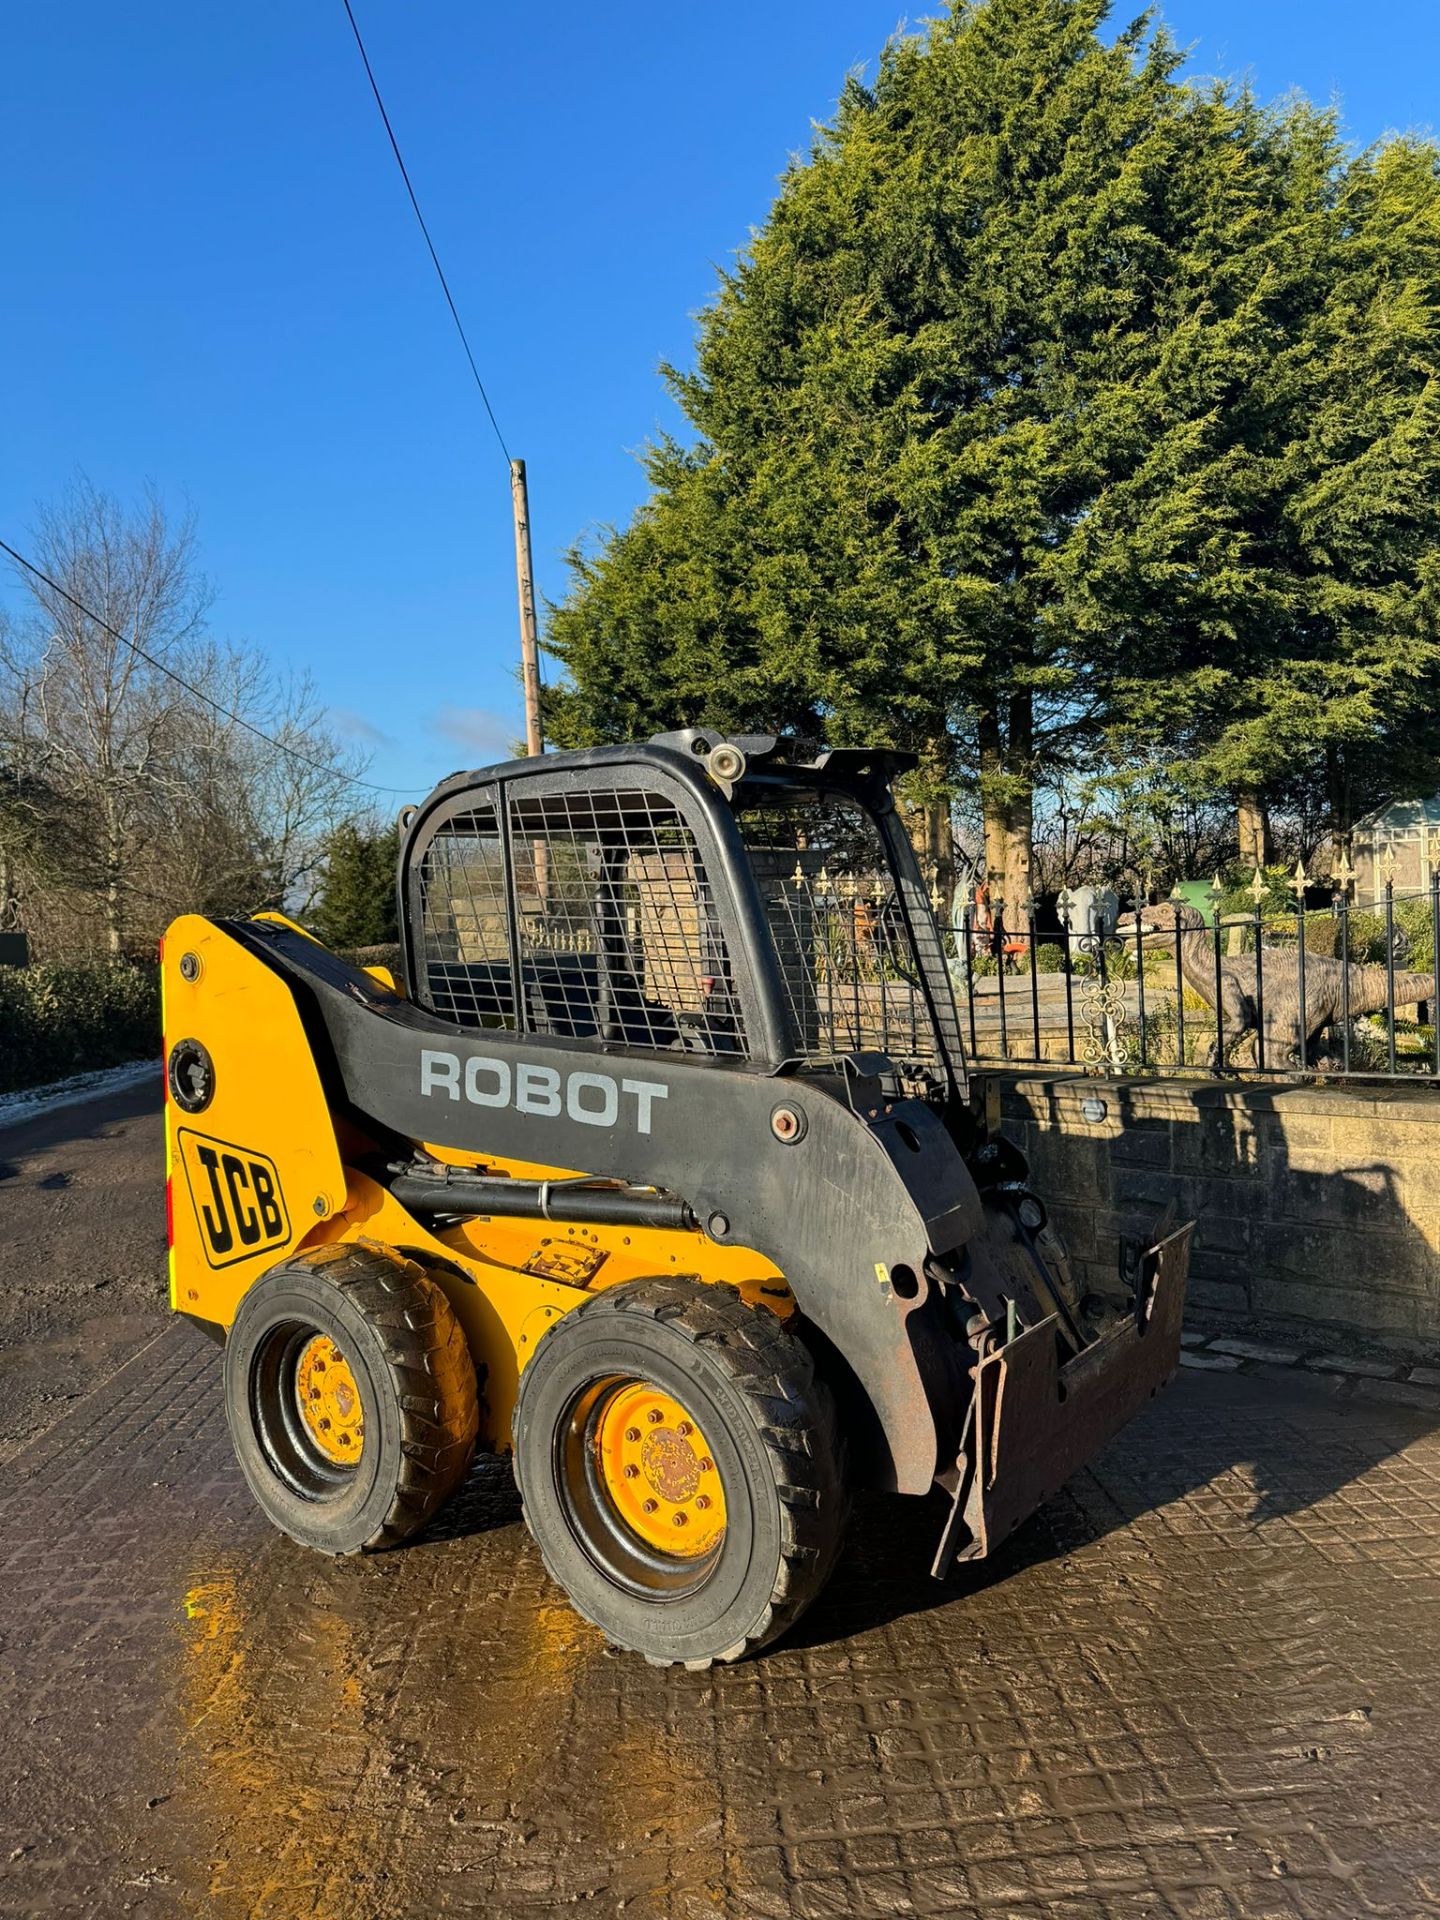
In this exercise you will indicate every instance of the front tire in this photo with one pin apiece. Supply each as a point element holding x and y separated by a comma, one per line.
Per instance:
<point>351,1397</point>
<point>680,1469</point>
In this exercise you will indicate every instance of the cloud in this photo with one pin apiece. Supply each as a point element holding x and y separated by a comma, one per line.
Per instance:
<point>356,727</point>
<point>485,732</point>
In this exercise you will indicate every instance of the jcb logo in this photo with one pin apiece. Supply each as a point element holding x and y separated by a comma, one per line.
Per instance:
<point>237,1198</point>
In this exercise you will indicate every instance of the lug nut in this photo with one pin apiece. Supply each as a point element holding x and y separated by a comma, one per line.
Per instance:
<point>324,1425</point>
<point>684,1429</point>
<point>632,1473</point>
<point>678,1521</point>
<point>655,1416</point>
<point>702,1501</point>
<point>707,1465</point>
<point>344,1439</point>
<point>649,1506</point>
<point>314,1393</point>
<point>632,1433</point>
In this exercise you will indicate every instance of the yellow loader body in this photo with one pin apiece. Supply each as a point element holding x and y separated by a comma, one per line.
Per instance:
<point>262,1174</point>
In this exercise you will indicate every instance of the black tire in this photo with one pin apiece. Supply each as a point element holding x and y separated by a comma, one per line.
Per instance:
<point>416,1383</point>
<point>769,1422</point>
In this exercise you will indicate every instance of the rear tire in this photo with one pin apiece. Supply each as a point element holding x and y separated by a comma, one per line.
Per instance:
<point>408,1410</point>
<point>759,1423</point>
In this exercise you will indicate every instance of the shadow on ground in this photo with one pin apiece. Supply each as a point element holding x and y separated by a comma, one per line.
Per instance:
<point>1273,1457</point>
<point>87,1119</point>
<point>1207,1668</point>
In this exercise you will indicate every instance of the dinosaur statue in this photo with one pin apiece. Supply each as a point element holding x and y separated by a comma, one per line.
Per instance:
<point>1325,987</point>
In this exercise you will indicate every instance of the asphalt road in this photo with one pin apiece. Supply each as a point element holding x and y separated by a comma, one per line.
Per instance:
<point>1202,1684</point>
<point>82,1253</point>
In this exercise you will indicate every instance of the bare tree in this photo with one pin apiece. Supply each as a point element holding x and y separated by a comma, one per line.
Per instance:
<point>258,810</point>
<point>99,719</point>
<point>1127,826</point>
<point>134,781</point>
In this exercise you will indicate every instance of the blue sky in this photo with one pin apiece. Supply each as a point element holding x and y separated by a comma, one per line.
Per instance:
<point>210,279</point>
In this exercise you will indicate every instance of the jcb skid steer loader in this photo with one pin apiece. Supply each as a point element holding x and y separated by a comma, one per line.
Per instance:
<point>660,1167</point>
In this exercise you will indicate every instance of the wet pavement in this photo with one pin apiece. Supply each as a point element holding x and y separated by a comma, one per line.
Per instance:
<point>1203,1682</point>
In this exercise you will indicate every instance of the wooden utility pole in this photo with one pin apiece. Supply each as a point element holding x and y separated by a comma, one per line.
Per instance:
<point>529,629</point>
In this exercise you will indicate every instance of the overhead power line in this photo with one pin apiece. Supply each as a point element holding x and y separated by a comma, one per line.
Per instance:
<point>226,713</point>
<point>414,202</point>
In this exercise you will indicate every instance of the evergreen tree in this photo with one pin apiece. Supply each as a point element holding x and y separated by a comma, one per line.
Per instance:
<point>1349,701</point>
<point>1321,671</point>
<point>357,904</point>
<point>1016,426</point>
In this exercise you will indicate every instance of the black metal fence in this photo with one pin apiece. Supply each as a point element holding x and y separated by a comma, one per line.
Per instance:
<point>1311,991</point>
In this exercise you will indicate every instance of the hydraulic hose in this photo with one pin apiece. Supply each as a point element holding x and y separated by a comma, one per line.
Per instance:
<point>583,1202</point>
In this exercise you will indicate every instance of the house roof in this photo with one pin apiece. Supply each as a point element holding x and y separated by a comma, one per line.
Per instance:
<point>1401,816</point>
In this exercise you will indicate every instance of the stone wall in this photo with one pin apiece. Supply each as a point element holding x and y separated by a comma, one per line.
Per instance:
<point>1318,1206</point>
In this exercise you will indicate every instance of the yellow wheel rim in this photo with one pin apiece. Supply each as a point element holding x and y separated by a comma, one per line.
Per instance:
<point>657,1469</point>
<point>329,1401</point>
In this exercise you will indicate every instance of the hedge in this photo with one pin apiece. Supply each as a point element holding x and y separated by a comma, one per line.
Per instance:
<point>60,1020</point>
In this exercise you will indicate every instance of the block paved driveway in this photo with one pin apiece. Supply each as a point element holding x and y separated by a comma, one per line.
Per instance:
<point>1203,1682</point>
